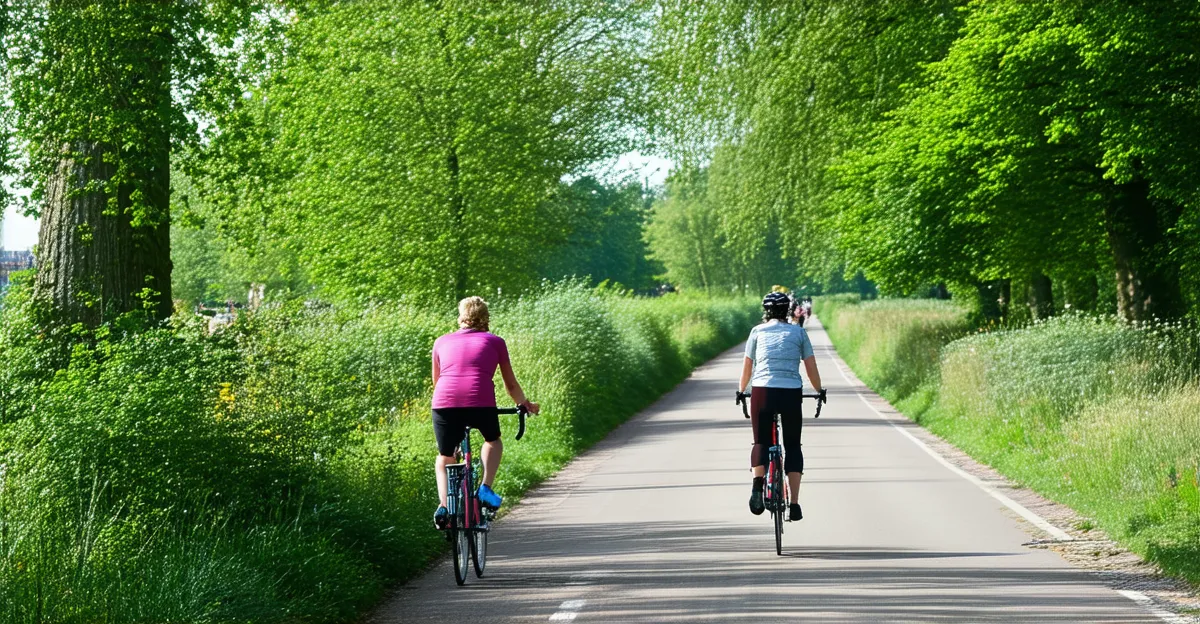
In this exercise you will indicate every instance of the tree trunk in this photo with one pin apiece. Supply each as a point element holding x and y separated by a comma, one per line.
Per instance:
<point>1004,298</point>
<point>1041,296</point>
<point>99,258</point>
<point>994,297</point>
<point>701,262</point>
<point>1147,279</point>
<point>1081,293</point>
<point>461,254</point>
<point>93,264</point>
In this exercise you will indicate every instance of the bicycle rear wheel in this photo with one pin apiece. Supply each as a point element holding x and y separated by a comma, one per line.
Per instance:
<point>461,542</point>
<point>780,506</point>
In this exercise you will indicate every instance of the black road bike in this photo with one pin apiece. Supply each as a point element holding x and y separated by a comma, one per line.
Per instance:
<point>470,520</point>
<point>775,490</point>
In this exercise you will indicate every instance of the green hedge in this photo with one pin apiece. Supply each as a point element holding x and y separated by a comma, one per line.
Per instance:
<point>282,469</point>
<point>1092,412</point>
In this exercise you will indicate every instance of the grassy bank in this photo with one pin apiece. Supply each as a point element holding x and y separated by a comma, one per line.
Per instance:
<point>1093,413</point>
<point>281,471</point>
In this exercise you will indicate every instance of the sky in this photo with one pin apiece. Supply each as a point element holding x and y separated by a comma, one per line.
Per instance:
<point>647,167</point>
<point>20,232</point>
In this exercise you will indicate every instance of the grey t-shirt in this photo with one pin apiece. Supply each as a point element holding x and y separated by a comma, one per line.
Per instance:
<point>777,350</point>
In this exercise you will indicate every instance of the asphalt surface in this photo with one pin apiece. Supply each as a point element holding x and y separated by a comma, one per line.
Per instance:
<point>652,525</point>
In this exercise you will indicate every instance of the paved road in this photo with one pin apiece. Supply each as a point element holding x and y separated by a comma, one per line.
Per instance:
<point>652,526</point>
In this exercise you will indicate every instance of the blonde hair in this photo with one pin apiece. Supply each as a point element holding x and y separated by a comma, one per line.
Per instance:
<point>473,313</point>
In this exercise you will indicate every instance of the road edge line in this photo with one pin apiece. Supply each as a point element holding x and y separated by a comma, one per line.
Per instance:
<point>1148,603</point>
<point>1016,507</point>
<point>1141,599</point>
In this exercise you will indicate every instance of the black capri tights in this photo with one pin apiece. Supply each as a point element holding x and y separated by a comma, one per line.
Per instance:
<point>764,404</point>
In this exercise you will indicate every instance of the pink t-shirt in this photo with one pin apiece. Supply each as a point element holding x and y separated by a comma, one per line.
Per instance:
<point>468,360</point>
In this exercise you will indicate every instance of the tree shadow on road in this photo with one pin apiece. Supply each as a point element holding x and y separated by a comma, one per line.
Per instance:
<point>685,571</point>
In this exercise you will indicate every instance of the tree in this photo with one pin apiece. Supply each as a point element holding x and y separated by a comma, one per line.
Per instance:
<point>101,93</point>
<point>411,149</point>
<point>777,93</point>
<point>688,234</point>
<point>684,234</point>
<point>606,242</point>
<point>1053,140</point>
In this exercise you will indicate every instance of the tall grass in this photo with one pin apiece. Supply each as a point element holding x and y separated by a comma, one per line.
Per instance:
<point>282,470</point>
<point>893,344</point>
<point>1092,412</point>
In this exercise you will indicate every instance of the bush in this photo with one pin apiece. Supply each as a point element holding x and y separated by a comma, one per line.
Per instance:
<point>281,470</point>
<point>892,344</point>
<point>1092,412</point>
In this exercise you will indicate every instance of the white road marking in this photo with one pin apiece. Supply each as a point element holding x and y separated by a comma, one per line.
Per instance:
<point>568,610</point>
<point>1148,603</point>
<point>1020,509</point>
<point>1142,599</point>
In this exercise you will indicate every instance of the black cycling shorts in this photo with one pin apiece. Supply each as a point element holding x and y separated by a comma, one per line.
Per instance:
<point>764,404</point>
<point>449,424</point>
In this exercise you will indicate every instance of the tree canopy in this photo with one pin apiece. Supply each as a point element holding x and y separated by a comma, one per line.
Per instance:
<point>1035,153</point>
<point>1043,150</point>
<point>416,149</point>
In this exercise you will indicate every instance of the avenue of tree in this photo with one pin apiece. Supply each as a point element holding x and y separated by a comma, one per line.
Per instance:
<point>1041,154</point>
<point>1036,152</point>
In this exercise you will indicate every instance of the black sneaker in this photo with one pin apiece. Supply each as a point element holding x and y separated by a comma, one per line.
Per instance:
<point>795,513</point>
<point>756,498</point>
<point>441,518</point>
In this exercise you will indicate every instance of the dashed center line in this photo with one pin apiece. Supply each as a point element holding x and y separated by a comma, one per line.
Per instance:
<point>567,611</point>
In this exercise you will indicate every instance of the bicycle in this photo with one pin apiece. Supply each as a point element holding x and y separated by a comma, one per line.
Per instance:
<point>775,494</point>
<point>470,522</point>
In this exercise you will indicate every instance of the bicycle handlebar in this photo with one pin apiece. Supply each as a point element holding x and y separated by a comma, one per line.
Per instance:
<point>520,410</point>
<point>743,399</point>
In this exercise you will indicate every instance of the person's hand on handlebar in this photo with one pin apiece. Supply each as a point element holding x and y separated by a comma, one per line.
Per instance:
<point>531,407</point>
<point>824,395</point>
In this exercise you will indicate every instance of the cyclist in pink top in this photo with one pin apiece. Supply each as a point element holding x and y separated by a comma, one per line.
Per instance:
<point>464,395</point>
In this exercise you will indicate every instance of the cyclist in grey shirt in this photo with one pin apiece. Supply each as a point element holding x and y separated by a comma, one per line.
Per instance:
<point>774,353</point>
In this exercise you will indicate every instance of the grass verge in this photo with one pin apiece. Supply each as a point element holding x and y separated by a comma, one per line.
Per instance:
<point>1093,413</point>
<point>281,471</point>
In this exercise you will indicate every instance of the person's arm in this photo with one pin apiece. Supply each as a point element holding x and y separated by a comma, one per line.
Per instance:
<point>514,388</point>
<point>814,375</point>
<point>437,368</point>
<point>748,363</point>
<point>747,371</point>
<point>810,361</point>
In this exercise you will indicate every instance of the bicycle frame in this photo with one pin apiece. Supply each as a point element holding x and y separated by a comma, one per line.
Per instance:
<point>776,488</point>
<point>461,495</point>
<point>462,503</point>
<point>775,463</point>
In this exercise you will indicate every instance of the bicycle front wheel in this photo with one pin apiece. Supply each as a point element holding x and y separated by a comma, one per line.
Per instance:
<point>462,553</point>
<point>479,550</point>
